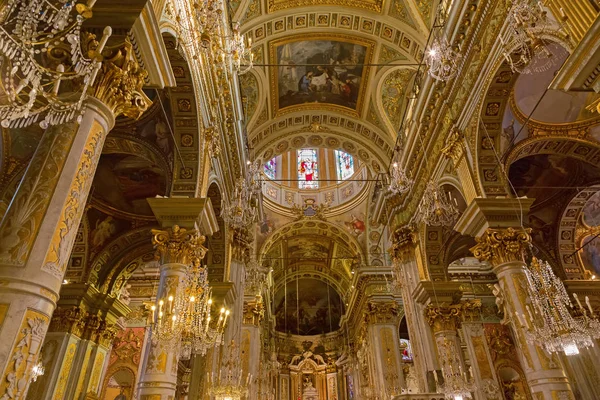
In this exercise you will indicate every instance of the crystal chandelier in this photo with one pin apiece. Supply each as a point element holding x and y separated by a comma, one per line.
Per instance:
<point>235,51</point>
<point>400,183</point>
<point>253,176</point>
<point>435,208</point>
<point>255,278</point>
<point>268,375</point>
<point>525,51</point>
<point>209,14</point>
<point>227,383</point>
<point>239,214</point>
<point>37,371</point>
<point>45,72</point>
<point>441,60</point>
<point>457,385</point>
<point>550,322</point>
<point>183,320</point>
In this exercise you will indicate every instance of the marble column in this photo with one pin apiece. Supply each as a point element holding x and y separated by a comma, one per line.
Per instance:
<point>502,242</point>
<point>406,273</point>
<point>38,229</point>
<point>381,335</point>
<point>178,248</point>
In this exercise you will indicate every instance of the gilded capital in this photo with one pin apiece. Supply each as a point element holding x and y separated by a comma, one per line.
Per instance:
<point>388,312</point>
<point>179,245</point>
<point>500,246</point>
<point>120,80</point>
<point>449,317</point>
<point>403,244</point>
<point>254,312</point>
<point>69,320</point>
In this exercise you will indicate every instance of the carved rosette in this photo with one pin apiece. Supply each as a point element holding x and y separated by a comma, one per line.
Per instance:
<point>254,312</point>
<point>454,148</point>
<point>179,245</point>
<point>120,80</point>
<point>501,246</point>
<point>382,312</point>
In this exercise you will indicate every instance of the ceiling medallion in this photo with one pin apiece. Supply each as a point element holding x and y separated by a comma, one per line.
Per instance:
<point>41,54</point>
<point>435,208</point>
<point>552,322</point>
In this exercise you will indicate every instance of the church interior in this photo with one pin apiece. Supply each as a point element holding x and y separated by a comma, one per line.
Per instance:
<point>300,200</point>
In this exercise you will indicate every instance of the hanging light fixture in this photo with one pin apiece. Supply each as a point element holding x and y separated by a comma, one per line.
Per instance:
<point>45,73</point>
<point>201,331</point>
<point>525,50</point>
<point>550,322</point>
<point>253,176</point>
<point>255,278</point>
<point>441,60</point>
<point>183,320</point>
<point>228,383</point>
<point>209,16</point>
<point>457,385</point>
<point>239,213</point>
<point>400,183</point>
<point>235,51</point>
<point>435,208</point>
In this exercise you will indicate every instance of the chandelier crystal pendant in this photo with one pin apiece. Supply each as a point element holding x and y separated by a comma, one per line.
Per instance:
<point>441,60</point>
<point>236,51</point>
<point>37,370</point>
<point>457,385</point>
<point>253,176</point>
<point>400,183</point>
<point>182,321</point>
<point>435,208</point>
<point>525,49</point>
<point>239,213</point>
<point>45,73</point>
<point>255,277</point>
<point>228,383</point>
<point>552,322</point>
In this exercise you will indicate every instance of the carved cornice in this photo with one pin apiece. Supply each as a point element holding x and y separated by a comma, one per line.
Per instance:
<point>500,246</point>
<point>254,312</point>
<point>120,80</point>
<point>449,317</point>
<point>179,245</point>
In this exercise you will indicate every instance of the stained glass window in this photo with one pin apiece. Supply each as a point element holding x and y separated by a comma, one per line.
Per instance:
<point>271,168</point>
<point>345,165</point>
<point>308,171</point>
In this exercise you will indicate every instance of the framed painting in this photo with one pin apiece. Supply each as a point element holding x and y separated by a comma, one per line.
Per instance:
<point>318,71</point>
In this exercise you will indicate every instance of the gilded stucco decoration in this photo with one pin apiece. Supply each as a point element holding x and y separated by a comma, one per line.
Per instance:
<point>388,54</point>
<point>370,5</point>
<point>178,245</point>
<point>393,94</point>
<point>26,348</point>
<point>403,244</point>
<point>399,11</point>
<point>500,246</point>
<point>249,92</point>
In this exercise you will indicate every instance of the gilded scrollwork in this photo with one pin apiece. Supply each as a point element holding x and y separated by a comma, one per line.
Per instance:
<point>254,312</point>
<point>179,245</point>
<point>500,246</point>
<point>454,148</point>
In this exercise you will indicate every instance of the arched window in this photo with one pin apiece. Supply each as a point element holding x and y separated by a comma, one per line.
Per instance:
<point>345,165</point>
<point>271,168</point>
<point>308,169</point>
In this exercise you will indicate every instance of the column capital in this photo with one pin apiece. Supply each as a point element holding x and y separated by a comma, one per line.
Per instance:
<point>382,312</point>
<point>404,240</point>
<point>254,312</point>
<point>449,317</point>
<point>69,320</point>
<point>179,245</point>
<point>500,246</point>
<point>120,80</point>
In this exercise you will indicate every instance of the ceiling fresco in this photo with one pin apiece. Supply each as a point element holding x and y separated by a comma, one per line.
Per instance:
<point>307,307</point>
<point>318,69</point>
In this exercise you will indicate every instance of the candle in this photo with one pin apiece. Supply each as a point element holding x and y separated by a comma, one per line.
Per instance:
<point>587,302</point>
<point>529,312</point>
<point>562,13</point>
